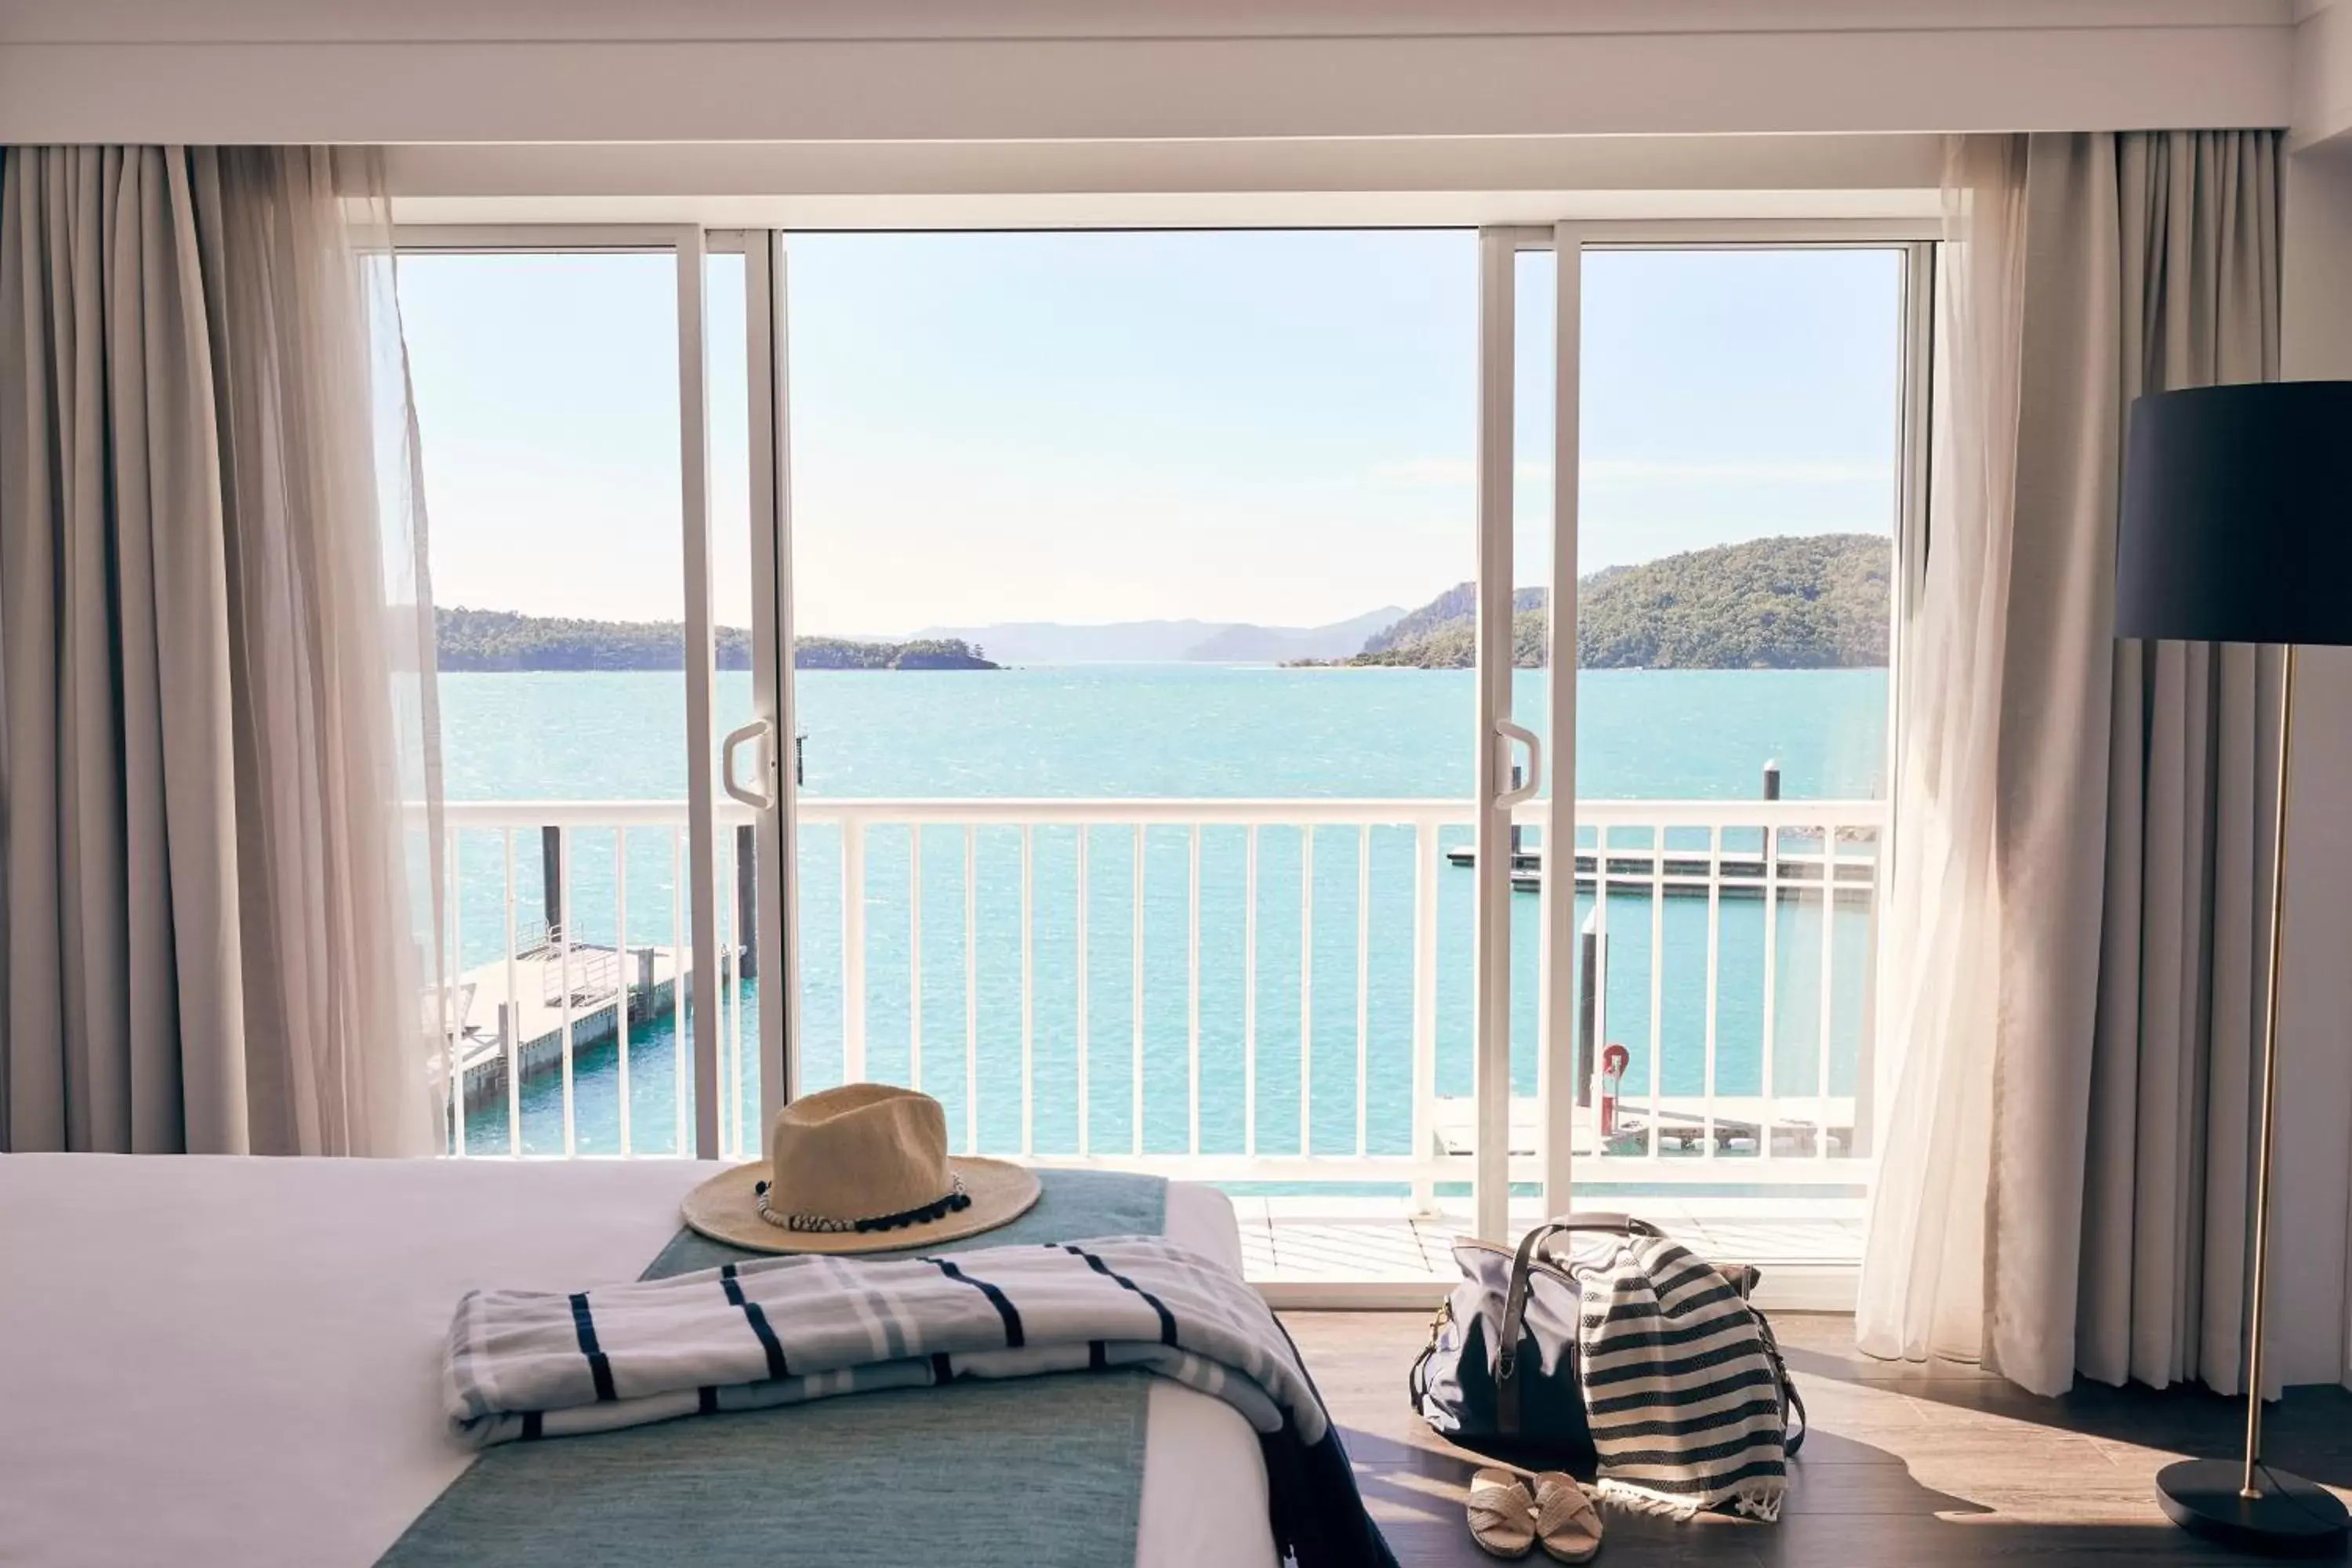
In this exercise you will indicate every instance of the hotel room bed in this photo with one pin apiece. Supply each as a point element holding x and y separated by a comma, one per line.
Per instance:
<point>212,1359</point>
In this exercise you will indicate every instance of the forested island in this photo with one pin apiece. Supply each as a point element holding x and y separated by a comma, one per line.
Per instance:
<point>501,640</point>
<point>1819,601</point>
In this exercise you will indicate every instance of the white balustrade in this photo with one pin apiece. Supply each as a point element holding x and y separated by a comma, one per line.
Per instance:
<point>1808,856</point>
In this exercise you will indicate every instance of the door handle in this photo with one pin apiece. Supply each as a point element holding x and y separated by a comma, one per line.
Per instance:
<point>1534,780</point>
<point>757,730</point>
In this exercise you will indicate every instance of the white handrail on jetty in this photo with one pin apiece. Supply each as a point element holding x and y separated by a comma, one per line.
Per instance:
<point>527,1012</point>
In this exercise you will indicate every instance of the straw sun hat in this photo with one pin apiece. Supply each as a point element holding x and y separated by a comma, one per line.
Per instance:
<point>862,1168</point>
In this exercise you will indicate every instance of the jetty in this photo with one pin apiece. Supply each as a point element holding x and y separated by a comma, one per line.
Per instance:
<point>1694,873</point>
<point>1746,872</point>
<point>1681,1122</point>
<point>548,989</point>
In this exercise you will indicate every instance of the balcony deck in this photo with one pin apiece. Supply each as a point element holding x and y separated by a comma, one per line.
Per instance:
<point>1361,1252</point>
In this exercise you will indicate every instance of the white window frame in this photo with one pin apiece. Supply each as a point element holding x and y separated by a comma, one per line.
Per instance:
<point>767,314</point>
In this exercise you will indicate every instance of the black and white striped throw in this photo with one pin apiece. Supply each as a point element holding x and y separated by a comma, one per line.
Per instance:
<point>1682,1383</point>
<point>789,1330</point>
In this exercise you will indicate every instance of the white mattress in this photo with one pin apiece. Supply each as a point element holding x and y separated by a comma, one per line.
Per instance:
<point>236,1360</point>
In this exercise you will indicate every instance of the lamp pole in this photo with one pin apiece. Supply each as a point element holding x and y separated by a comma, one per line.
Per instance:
<point>2246,1487</point>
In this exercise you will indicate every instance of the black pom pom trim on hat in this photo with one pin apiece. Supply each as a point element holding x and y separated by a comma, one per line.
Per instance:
<point>955,1201</point>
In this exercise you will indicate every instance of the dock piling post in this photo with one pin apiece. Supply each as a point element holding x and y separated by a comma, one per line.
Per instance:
<point>551,886</point>
<point>1591,974</point>
<point>747,900</point>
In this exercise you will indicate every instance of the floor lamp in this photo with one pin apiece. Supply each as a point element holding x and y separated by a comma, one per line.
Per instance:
<point>2237,527</point>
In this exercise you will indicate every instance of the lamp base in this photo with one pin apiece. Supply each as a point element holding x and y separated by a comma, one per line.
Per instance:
<point>2292,1518</point>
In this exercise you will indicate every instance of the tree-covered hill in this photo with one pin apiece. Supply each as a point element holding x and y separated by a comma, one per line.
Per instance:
<point>1457,605</point>
<point>501,640</point>
<point>1793,603</point>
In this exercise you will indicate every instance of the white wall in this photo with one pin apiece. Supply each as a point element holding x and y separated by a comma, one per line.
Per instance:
<point>2322,90</point>
<point>1451,181</point>
<point>836,70</point>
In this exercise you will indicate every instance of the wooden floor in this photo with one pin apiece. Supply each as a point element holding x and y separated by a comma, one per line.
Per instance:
<point>1906,1465</point>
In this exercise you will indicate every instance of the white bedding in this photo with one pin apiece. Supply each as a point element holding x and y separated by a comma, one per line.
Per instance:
<point>236,1360</point>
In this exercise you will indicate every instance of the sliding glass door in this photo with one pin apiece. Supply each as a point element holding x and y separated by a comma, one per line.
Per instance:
<point>1527,569</point>
<point>1734,422</point>
<point>1135,592</point>
<point>1136,686</point>
<point>1697,461</point>
<point>584,402</point>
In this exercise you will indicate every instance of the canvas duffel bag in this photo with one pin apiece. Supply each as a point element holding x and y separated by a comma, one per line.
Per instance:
<point>1500,1369</point>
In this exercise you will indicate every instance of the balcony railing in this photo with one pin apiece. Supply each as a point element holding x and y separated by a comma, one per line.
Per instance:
<point>1259,990</point>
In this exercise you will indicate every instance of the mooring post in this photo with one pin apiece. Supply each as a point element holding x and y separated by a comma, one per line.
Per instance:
<point>1772,779</point>
<point>551,872</point>
<point>747,900</point>
<point>1592,961</point>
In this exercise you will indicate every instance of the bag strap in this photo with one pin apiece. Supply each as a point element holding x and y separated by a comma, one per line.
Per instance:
<point>1792,1433</point>
<point>1515,1303</point>
<point>1416,1378</point>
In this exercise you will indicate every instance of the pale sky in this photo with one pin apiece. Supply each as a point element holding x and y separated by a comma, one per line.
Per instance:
<point>1264,426</point>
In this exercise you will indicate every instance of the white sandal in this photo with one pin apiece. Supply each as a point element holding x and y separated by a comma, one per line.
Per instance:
<point>1502,1514</point>
<point>1566,1521</point>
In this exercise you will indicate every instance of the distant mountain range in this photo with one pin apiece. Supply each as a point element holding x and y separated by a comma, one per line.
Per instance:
<point>1817,602</point>
<point>1167,642</point>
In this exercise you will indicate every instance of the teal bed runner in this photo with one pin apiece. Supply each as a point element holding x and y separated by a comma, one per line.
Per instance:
<point>1040,1471</point>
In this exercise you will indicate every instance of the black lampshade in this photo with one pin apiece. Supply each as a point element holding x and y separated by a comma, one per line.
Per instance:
<point>2237,515</point>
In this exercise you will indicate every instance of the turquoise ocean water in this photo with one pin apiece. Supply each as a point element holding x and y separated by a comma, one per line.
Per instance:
<point>1184,731</point>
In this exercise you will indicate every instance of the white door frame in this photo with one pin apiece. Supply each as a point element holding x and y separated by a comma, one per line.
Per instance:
<point>1499,250</point>
<point>777,835</point>
<point>690,245</point>
<point>701,803</point>
<point>1490,1077</point>
<point>1555,1053</point>
<point>1555,1078</point>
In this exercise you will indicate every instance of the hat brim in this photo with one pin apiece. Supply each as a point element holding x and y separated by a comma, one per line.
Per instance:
<point>727,1208</point>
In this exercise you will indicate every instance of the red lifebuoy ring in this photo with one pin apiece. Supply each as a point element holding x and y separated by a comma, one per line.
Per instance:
<point>1614,1061</point>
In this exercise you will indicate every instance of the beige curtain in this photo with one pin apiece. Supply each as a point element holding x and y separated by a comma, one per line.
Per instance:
<point>214,696</point>
<point>2190,822</point>
<point>2093,1135</point>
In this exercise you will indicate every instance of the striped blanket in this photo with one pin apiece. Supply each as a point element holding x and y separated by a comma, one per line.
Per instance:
<point>788,1330</point>
<point>1682,1382</point>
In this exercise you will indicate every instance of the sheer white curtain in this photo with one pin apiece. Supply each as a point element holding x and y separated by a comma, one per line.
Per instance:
<point>2065,1177</point>
<point>214,680</point>
<point>1922,1276</point>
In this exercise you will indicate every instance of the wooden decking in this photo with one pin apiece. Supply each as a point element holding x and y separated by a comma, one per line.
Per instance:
<point>1907,1466</point>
